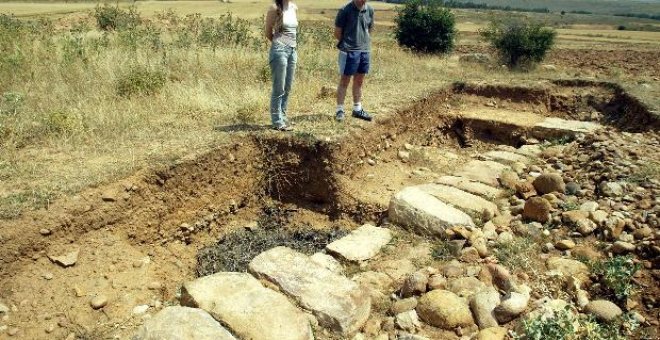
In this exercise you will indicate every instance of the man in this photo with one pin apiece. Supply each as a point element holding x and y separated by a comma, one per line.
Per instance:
<point>353,26</point>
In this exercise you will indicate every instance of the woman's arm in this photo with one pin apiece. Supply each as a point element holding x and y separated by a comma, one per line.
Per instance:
<point>271,16</point>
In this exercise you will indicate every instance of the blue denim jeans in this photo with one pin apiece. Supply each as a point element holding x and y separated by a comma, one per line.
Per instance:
<point>282,61</point>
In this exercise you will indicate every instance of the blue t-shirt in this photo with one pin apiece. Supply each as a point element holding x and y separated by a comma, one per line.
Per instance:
<point>355,24</point>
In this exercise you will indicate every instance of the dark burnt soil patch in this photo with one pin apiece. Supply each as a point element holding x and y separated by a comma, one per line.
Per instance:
<point>234,251</point>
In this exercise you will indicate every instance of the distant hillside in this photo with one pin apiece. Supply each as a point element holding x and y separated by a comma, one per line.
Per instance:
<point>647,7</point>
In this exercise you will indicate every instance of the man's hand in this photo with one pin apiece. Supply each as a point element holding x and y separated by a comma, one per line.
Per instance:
<point>338,32</point>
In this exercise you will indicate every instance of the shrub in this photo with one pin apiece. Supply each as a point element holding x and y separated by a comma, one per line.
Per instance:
<point>425,26</point>
<point>565,325</point>
<point>248,113</point>
<point>10,102</point>
<point>616,275</point>
<point>110,18</point>
<point>520,44</point>
<point>141,80</point>
<point>558,327</point>
<point>60,122</point>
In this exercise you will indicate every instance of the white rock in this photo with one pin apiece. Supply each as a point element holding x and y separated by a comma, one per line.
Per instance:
<point>482,305</point>
<point>506,157</point>
<point>557,127</point>
<point>423,213</point>
<point>141,309</point>
<point>407,321</point>
<point>361,244</point>
<point>511,306</point>
<point>487,172</point>
<point>339,303</point>
<point>473,187</point>
<point>66,260</point>
<point>249,309</point>
<point>327,262</point>
<point>460,199</point>
<point>182,323</point>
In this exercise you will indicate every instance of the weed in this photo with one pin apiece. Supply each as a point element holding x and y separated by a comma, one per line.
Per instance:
<point>563,140</point>
<point>559,327</point>
<point>616,275</point>
<point>11,103</point>
<point>570,206</point>
<point>442,251</point>
<point>565,325</point>
<point>645,173</point>
<point>518,254</point>
<point>61,122</point>
<point>141,80</point>
<point>248,113</point>
<point>9,205</point>
<point>110,18</point>
<point>73,48</point>
<point>234,251</point>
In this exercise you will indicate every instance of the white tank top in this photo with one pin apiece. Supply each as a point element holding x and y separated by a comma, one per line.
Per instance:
<point>287,35</point>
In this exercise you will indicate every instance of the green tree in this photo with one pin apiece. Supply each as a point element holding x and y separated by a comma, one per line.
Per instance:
<point>425,26</point>
<point>521,44</point>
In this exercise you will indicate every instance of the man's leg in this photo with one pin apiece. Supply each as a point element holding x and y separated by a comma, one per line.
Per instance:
<point>348,63</point>
<point>358,80</point>
<point>342,88</point>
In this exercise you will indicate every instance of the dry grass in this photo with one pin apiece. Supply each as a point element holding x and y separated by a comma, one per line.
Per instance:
<point>64,126</point>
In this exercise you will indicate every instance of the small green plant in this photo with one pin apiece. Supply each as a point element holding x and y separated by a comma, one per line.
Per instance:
<point>141,80</point>
<point>227,30</point>
<point>11,103</point>
<point>570,206</point>
<point>559,327</point>
<point>442,252</point>
<point>60,122</point>
<point>248,113</point>
<point>109,18</point>
<point>425,26</point>
<point>519,254</point>
<point>565,325</point>
<point>521,44</point>
<point>645,173</point>
<point>616,275</point>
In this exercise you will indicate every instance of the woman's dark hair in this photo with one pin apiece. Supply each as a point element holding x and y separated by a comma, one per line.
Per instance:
<point>279,4</point>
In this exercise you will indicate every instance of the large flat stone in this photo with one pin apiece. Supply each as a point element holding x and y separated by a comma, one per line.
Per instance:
<point>468,185</point>
<point>361,244</point>
<point>339,303</point>
<point>423,213</point>
<point>460,199</point>
<point>506,157</point>
<point>249,309</point>
<point>182,323</point>
<point>532,150</point>
<point>487,172</point>
<point>557,127</point>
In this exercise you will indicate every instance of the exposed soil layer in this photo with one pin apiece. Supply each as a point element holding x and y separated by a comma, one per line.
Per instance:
<point>628,61</point>
<point>150,207</point>
<point>167,215</point>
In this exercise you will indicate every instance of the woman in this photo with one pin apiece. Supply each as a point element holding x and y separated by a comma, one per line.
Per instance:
<point>281,27</point>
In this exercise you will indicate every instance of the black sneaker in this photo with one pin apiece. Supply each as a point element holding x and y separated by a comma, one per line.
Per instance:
<point>339,116</point>
<point>362,114</point>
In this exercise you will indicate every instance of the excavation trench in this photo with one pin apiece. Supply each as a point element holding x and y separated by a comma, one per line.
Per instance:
<point>205,191</point>
<point>215,211</point>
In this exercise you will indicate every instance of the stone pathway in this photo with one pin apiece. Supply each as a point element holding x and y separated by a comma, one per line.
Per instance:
<point>299,291</point>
